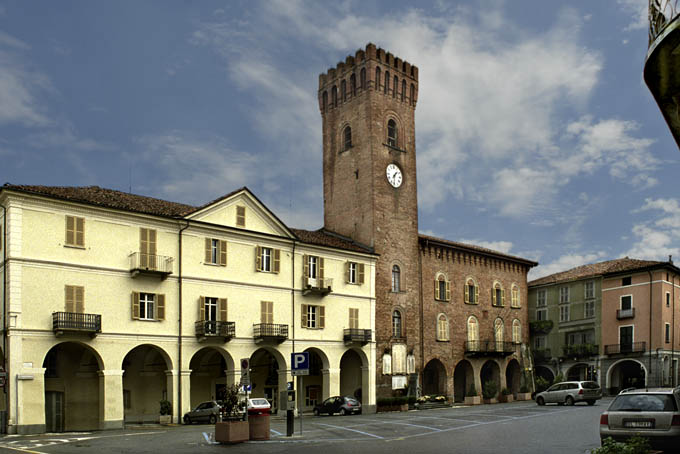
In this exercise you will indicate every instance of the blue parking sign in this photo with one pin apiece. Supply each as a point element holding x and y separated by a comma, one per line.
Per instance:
<point>299,363</point>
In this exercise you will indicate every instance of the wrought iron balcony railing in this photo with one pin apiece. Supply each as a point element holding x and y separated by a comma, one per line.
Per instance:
<point>361,336</point>
<point>319,286</point>
<point>661,14</point>
<point>270,331</point>
<point>580,350</point>
<point>540,326</point>
<point>625,313</point>
<point>542,355</point>
<point>489,348</point>
<point>76,322</point>
<point>141,263</point>
<point>633,347</point>
<point>211,328</point>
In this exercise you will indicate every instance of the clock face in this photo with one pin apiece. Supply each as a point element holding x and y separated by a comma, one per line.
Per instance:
<point>394,176</point>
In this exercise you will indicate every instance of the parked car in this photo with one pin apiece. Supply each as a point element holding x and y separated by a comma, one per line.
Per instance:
<point>204,412</point>
<point>570,392</point>
<point>259,406</point>
<point>650,413</point>
<point>338,404</point>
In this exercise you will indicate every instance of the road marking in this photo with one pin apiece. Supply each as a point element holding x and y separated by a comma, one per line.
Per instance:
<point>275,432</point>
<point>417,425</point>
<point>22,450</point>
<point>352,430</point>
<point>208,438</point>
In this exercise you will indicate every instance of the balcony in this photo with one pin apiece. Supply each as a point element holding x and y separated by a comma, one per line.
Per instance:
<point>580,350</point>
<point>75,322</point>
<point>542,355</point>
<point>622,314</point>
<point>489,348</point>
<point>662,65</point>
<point>270,332</point>
<point>210,329</point>
<point>150,264</point>
<point>357,336</point>
<point>540,326</point>
<point>317,286</point>
<point>624,349</point>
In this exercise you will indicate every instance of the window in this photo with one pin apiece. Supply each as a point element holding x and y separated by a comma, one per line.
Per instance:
<point>343,90</point>
<point>580,338</point>
<point>313,316</point>
<point>442,289</point>
<point>564,313</point>
<point>564,294</point>
<point>471,292</point>
<point>212,309</point>
<point>515,296</point>
<point>266,312</point>
<point>625,339</point>
<point>325,101</point>
<point>541,298</point>
<point>589,290</point>
<point>354,273</point>
<point>540,342</point>
<point>147,248</point>
<point>396,324</point>
<point>499,333</point>
<point>377,78</point>
<point>541,314</point>
<point>626,281</point>
<point>498,295</point>
<point>313,267</point>
<point>353,84</point>
<point>667,333</point>
<point>395,87</point>
<point>362,78</point>
<point>392,133</point>
<point>75,231</point>
<point>589,309</point>
<point>240,216</point>
<point>312,394</point>
<point>472,329</point>
<point>668,299</point>
<point>626,302</point>
<point>516,332</point>
<point>353,318</point>
<point>387,82</point>
<point>413,95</point>
<point>267,260</point>
<point>74,299</point>
<point>396,278</point>
<point>148,306</point>
<point>442,328</point>
<point>403,89</point>
<point>347,138</point>
<point>215,252</point>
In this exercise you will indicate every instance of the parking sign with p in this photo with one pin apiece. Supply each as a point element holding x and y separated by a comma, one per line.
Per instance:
<point>299,363</point>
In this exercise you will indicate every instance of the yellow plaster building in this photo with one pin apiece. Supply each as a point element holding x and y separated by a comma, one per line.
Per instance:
<point>114,301</point>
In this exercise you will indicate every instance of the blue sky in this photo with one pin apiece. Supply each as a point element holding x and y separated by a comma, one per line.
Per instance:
<point>536,135</point>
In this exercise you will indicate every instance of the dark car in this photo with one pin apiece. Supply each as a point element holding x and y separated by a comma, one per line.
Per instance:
<point>338,404</point>
<point>204,412</point>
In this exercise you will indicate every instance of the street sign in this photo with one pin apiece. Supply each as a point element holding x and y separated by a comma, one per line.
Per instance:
<point>245,371</point>
<point>299,363</point>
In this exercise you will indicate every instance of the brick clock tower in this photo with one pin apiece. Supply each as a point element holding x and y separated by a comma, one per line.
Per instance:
<point>368,106</point>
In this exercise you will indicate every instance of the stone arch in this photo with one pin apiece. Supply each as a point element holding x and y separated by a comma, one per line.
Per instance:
<point>268,374</point>
<point>463,380</point>
<point>545,372</point>
<point>315,387</point>
<point>490,372</point>
<point>73,400</point>
<point>513,376</point>
<point>577,372</point>
<point>392,116</point>
<point>212,370</point>
<point>626,373</point>
<point>148,378</point>
<point>434,378</point>
<point>354,375</point>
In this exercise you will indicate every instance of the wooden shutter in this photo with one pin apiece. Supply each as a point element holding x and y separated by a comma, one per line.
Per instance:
<point>70,230</point>
<point>466,292</point>
<point>320,261</point>
<point>160,307</point>
<point>322,316</point>
<point>361,273</point>
<point>79,299</point>
<point>240,216</point>
<point>267,312</point>
<point>436,289</point>
<point>135,305</point>
<point>223,253</point>
<point>448,291</point>
<point>502,297</point>
<point>69,298</point>
<point>353,318</point>
<point>305,265</point>
<point>208,250</point>
<point>258,258</point>
<point>201,308</point>
<point>223,309</point>
<point>348,272</point>
<point>476,294</point>
<point>277,260</point>
<point>152,242</point>
<point>80,231</point>
<point>303,313</point>
<point>493,295</point>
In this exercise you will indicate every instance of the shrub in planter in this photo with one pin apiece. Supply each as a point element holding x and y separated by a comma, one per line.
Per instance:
<point>165,412</point>
<point>635,445</point>
<point>490,389</point>
<point>524,388</point>
<point>232,429</point>
<point>472,391</point>
<point>506,392</point>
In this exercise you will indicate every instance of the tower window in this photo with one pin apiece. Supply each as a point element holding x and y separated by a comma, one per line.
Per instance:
<point>343,90</point>
<point>362,78</point>
<point>395,87</point>
<point>377,79</point>
<point>387,82</point>
<point>353,84</point>
<point>413,95</point>
<point>396,324</point>
<point>392,133</point>
<point>334,96</point>
<point>403,89</point>
<point>325,101</point>
<point>347,138</point>
<point>396,279</point>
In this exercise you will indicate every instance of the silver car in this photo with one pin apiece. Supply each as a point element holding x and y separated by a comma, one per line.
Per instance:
<point>570,392</point>
<point>204,412</point>
<point>649,413</point>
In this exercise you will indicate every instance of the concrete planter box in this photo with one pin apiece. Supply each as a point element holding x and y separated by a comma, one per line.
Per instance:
<point>491,401</point>
<point>165,420</point>
<point>473,400</point>
<point>523,396</point>
<point>505,398</point>
<point>258,427</point>
<point>232,431</point>
<point>384,408</point>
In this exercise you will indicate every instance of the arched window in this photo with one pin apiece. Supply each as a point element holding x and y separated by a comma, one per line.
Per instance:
<point>353,84</point>
<point>498,295</point>
<point>471,292</point>
<point>413,95</point>
<point>396,278</point>
<point>343,90</point>
<point>498,329</point>
<point>325,100</point>
<point>362,78</point>
<point>515,296</point>
<point>473,333</point>
<point>387,82</point>
<point>395,87</point>
<point>396,324</point>
<point>334,96</point>
<point>392,133</point>
<point>442,328</point>
<point>442,289</point>
<point>403,89</point>
<point>377,79</point>
<point>347,138</point>
<point>516,332</point>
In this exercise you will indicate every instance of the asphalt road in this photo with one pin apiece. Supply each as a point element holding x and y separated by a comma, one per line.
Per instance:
<point>514,428</point>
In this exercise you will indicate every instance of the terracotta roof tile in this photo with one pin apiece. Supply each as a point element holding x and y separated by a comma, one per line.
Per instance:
<point>597,269</point>
<point>323,237</point>
<point>479,249</point>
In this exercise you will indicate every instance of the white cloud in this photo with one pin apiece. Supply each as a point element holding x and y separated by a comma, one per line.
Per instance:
<point>20,90</point>
<point>659,235</point>
<point>564,263</point>
<point>500,246</point>
<point>637,10</point>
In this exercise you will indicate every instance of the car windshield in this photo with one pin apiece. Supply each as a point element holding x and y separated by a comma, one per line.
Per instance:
<point>589,385</point>
<point>643,402</point>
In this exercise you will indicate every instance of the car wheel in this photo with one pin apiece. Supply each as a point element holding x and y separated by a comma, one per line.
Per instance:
<point>540,400</point>
<point>212,419</point>
<point>591,402</point>
<point>569,401</point>
<point>316,412</point>
<point>187,419</point>
<point>343,412</point>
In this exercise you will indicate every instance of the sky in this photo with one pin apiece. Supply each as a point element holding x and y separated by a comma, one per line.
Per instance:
<point>535,133</point>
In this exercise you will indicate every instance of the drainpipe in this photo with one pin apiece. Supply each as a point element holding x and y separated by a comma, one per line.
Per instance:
<point>650,331</point>
<point>673,331</point>
<point>179,335</point>
<point>4,309</point>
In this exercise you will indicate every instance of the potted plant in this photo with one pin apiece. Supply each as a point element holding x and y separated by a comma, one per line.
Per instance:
<point>524,393</point>
<point>471,397</point>
<point>165,412</point>
<point>232,428</point>
<point>506,395</point>
<point>489,392</point>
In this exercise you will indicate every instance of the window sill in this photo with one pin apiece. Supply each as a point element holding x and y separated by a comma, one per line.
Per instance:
<point>443,340</point>
<point>391,147</point>
<point>146,320</point>
<point>75,246</point>
<point>498,305</point>
<point>312,328</point>
<point>515,307</point>
<point>472,304</point>
<point>213,264</point>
